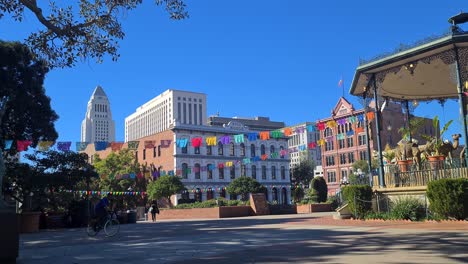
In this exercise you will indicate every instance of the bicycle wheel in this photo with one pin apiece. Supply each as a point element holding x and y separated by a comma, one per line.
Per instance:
<point>91,230</point>
<point>111,227</point>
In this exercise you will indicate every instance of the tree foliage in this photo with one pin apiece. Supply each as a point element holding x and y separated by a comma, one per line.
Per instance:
<point>120,163</point>
<point>243,186</point>
<point>303,173</point>
<point>164,187</point>
<point>25,108</point>
<point>47,175</point>
<point>25,111</point>
<point>318,190</point>
<point>89,29</point>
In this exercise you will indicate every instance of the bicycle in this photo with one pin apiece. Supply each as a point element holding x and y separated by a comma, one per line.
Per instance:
<point>111,225</point>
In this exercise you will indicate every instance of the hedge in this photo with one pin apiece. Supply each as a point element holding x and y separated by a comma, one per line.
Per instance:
<point>359,199</point>
<point>448,198</point>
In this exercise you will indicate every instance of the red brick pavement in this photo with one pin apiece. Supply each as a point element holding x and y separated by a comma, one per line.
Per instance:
<point>381,224</point>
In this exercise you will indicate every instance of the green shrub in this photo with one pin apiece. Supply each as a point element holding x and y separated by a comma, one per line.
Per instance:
<point>407,208</point>
<point>359,199</point>
<point>378,215</point>
<point>334,201</point>
<point>297,194</point>
<point>205,204</point>
<point>448,198</point>
<point>318,188</point>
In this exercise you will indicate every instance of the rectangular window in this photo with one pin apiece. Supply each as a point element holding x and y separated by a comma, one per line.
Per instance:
<point>185,113</point>
<point>221,173</point>
<point>350,142</point>
<point>209,150</point>
<point>197,150</point>
<point>329,146</point>
<point>362,155</point>
<point>233,172</point>
<point>200,113</point>
<point>273,172</point>
<point>362,140</point>
<point>209,173</point>
<point>342,158</point>
<point>264,174</point>
<point>283,173</point>
<point>154,152</point>
<point>341,143</point>
<point>195,114</point>
<point>184,150</point>
<point>351,157</point>
<point>179,112</point>
<point>190,113</point>
<point>254,172</point>
<point>331,176</point>
<point>144,154</point>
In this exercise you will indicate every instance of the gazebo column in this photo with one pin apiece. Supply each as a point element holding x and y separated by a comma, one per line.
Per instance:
<point>379,143</point>
<point>366,126</point>
<point>461,101</point>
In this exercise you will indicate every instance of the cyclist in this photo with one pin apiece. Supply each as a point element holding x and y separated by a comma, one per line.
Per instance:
<point>101,211</point>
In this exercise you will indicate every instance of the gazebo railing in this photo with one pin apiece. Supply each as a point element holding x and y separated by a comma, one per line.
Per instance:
<point>421,174</point>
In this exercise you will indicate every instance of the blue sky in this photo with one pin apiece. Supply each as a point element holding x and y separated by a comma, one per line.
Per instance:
<point>281,59</point>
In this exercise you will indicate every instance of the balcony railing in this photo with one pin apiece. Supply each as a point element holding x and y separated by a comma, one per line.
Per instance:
<point>421,174</point>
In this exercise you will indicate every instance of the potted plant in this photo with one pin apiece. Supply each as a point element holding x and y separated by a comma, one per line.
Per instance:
<point>407,149</point>
<point>435,156</point>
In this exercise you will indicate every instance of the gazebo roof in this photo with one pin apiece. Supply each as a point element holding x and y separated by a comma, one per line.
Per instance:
<point>423,72</point>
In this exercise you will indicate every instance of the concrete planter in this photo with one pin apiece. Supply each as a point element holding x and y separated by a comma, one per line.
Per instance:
<point>203,213</point>
<point>313,208</point>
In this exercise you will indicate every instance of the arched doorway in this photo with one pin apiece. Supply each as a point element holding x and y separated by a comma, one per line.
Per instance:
<point>274,194</point>
<point>209,194</point>
<point>284,197</point>
<point>198,195</point>
<point>222,193</point>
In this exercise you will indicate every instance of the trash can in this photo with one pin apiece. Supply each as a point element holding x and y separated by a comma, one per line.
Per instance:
<point>131,217</point>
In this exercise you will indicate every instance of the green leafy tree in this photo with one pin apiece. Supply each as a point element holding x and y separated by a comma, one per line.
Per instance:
<point>51,173</point>
<point>69,34</point>
<point>120,163</point>
<point>303,173</point>
<point>25,111</point>
<point>363,165</point>
<point>164,187</point>
<point>297,194</point>
<point>243,186</point>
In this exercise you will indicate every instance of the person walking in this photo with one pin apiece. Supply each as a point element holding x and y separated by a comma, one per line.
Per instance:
<point>154,210</point>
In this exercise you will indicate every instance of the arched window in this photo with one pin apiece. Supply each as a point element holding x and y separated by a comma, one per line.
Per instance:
<point>328,132</point>
<point>264,176</point>
<point>242,150</point>
<point>283,173</point>
<point>273,172</point>
<point>184,171</point>
<point>254,172</point>
<point>252,150</point>
<point>220,148</point>
<point>231,149</point>
<point>197,171</point>
<point>272,149</point>
<point>209,171</point>
<point>262,150</point>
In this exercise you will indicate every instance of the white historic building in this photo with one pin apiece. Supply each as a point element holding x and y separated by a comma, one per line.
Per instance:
<point>300,147</point>
<point>98,124</point>
<point>208,169</point>
<point>161,112</point>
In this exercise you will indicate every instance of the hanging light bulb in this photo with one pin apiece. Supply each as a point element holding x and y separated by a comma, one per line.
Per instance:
<point>415,103</point>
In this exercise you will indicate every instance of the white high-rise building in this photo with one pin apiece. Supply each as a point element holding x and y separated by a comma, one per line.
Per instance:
<point>164,111</point>
<point>98,124</point>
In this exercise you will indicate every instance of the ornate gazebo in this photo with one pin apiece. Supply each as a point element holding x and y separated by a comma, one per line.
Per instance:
<point>433,69</point>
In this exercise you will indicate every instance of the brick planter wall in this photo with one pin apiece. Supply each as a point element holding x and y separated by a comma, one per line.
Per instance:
<point>202,213</point>
<point>313,208</point>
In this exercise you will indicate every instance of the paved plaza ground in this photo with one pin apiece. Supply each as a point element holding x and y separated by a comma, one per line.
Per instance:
<point>309,238</point>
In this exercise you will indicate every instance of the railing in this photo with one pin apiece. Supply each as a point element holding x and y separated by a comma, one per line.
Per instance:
<point>421,174</point>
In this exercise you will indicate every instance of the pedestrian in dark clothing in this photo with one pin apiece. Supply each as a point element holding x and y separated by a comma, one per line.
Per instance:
<point>154,210</point>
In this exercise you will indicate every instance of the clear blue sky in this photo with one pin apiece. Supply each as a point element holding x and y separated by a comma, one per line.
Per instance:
<point>281,59</point>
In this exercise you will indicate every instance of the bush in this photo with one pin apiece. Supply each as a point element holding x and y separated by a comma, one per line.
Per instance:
<point>318,187</point>
<point>204,204</point>
<point>407,208</point>
<point>297,194</point>
<point>378,215</point>
<point>359,199</point>
<point>448,198</point>
<point>334,201</point>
